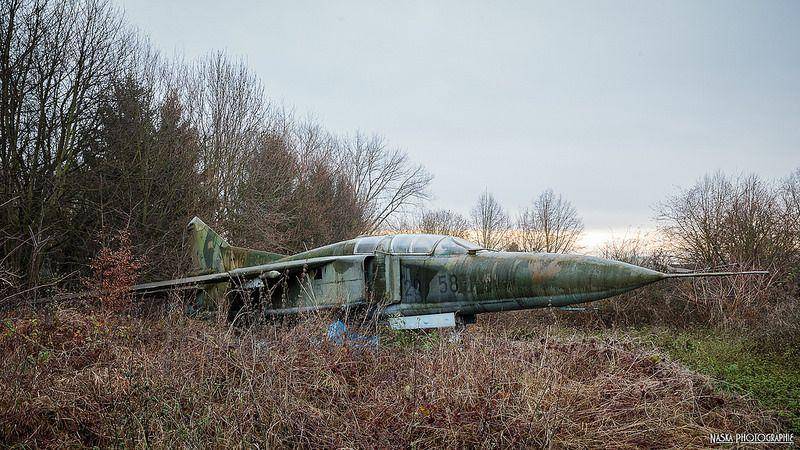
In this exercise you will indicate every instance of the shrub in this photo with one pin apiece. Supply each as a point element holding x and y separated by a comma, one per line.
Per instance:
<point>114,270</point>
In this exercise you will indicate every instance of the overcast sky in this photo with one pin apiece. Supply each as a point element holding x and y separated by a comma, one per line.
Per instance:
<point>612,104</point>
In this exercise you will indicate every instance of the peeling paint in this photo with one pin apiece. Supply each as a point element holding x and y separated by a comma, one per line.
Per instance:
<point>449,276</point>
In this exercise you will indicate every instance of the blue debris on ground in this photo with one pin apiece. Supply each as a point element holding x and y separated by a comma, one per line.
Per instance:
<point>338,334</point>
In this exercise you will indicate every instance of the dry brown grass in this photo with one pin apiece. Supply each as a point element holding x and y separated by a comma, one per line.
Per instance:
<point>72,378</point>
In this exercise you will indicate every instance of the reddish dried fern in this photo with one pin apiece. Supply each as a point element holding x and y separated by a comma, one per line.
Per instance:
<point>114,272</point>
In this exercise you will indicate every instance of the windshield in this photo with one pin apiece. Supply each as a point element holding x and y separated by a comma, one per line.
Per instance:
<point>369,244</point>
<point>467,244</point>
<point>415,243</point>
<point>455,246</point>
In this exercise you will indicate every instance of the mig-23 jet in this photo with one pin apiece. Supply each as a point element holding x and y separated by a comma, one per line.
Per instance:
<point>413,280</point>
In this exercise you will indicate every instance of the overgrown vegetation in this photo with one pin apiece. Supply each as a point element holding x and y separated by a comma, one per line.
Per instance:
<point>724,223</point>
<point>734,361</point>
<point>77,377</point>
<point>737,365</point>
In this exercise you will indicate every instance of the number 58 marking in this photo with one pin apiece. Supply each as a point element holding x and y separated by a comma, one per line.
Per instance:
<point>448,282</point>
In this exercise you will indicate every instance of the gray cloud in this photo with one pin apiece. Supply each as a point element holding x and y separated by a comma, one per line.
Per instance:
<point>613,104</point>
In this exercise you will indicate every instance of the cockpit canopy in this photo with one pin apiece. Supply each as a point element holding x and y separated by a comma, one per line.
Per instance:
<point>415,244</point>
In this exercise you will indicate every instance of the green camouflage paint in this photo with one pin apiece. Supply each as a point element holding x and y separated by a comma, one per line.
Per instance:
<point>403,275</point>
<point>212,254</point>
<point>498,281</point>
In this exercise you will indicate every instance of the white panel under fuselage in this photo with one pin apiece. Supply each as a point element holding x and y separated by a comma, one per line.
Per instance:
<point>444,320</point>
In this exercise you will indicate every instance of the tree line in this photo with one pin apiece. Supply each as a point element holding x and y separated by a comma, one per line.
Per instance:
<point>549,224</point>
<point>98,132</point>
<point>721,221</point>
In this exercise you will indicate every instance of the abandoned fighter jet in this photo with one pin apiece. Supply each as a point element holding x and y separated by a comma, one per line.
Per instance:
<point>413,280</point>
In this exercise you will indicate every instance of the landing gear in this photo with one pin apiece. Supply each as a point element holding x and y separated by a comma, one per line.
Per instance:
<point>462,320</point>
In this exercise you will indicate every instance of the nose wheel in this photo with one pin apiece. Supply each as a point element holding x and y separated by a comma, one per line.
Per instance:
<point>462,320</point>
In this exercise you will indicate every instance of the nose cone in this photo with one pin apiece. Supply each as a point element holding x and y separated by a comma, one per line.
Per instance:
<point>576,278</point>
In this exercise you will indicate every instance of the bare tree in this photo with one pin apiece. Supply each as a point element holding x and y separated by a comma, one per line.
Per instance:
<point>293,192</point>
<point>261,214</point>
<point>443,221</point>
<point>226,104</point>
<point>638,249</point>
<point>735,223</point>
<point>791,206</point>
<point>56,61</point>
<point>234,120</point>
<point>551,225</point>
<point>385,180</point>
<point>330,206</point>
<point>730,221</point>
<point>490,223</point>
<point>791,203</point>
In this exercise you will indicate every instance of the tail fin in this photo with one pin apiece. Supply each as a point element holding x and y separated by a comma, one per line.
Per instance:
<point>208,248</point>
<point>212,254</point>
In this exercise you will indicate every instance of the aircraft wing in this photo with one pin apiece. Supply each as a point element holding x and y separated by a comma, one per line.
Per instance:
<point>239,275</point>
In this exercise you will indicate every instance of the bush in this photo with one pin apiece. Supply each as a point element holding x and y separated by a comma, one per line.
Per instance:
<point>114,272</point>
<point>727,224</point>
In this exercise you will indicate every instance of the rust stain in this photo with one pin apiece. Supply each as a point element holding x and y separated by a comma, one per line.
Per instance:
<point>543,272</point>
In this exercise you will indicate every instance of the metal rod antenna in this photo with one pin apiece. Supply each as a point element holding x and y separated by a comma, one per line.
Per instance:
<point>714,274</point>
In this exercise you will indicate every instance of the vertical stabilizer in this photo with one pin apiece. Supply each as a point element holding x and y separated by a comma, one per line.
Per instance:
<point>207,247</point>
<point>212,254</point>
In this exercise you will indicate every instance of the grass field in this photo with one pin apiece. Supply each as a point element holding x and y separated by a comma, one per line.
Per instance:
<point>734,363</point>
<point>75,377</point>
<point>737,365</point>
